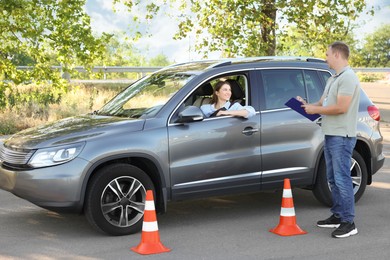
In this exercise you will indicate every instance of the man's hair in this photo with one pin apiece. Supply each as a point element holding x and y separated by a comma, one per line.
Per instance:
<point>341,48</point>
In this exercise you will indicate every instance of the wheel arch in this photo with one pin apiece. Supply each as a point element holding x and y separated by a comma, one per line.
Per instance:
<point>364,150</point>
<point>320,157</point>
<point>143,161</point>
<point>362,155</point>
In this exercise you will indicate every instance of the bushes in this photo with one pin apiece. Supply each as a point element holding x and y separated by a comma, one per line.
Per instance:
<point>370,76</point>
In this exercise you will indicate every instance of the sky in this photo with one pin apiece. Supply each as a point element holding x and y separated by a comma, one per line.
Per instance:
<point>104,19</point>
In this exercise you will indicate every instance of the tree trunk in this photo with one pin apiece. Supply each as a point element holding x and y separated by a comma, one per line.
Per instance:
<point>268,13</point>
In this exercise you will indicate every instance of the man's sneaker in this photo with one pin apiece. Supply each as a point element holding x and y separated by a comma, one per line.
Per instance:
<point>345,229</point>
<point>331,222</point>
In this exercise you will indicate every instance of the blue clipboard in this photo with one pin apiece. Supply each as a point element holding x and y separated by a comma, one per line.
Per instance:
<point>295,104</point>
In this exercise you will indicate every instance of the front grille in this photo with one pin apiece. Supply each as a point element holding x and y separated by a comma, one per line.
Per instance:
<point>12,156</point>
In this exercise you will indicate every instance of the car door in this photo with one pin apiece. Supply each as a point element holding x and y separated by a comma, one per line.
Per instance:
<point>215,156</point>
<point>290,143</point>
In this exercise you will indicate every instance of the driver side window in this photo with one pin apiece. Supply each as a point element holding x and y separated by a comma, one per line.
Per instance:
<point>203,94</point>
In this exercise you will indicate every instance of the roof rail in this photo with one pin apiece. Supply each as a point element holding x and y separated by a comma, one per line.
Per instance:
<point>301,58</point>
<point>226,62</point>
<point>215,61</point>
<point>315,60</point>
<point>221,64</point>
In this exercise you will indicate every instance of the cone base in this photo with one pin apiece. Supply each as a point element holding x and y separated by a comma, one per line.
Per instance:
<point>284,230</point>
<point>150,248</point>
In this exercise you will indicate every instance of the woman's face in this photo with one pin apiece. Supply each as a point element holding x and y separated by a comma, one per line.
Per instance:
<point>224,93</point>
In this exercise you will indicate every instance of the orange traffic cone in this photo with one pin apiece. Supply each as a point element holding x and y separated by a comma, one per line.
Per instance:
<point>150,239</point>
<point>287,224</point>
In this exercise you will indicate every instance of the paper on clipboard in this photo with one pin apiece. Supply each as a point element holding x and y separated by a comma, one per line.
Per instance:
<point>295,104</point>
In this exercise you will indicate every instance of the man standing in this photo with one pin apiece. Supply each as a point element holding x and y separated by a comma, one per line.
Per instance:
<point>339,107</point>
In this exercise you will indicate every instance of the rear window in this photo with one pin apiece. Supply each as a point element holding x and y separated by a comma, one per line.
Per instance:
<point>282,84</point>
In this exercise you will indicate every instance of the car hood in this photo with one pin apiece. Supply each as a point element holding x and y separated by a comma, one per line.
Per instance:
<point>73,129</point>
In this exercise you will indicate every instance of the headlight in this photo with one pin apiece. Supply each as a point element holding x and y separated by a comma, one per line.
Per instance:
<point>55,155</point>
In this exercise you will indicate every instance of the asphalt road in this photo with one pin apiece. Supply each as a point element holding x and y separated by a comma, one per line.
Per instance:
<point>231,227</point>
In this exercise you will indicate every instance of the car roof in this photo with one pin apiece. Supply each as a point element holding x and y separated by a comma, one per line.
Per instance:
<point>197,67</point>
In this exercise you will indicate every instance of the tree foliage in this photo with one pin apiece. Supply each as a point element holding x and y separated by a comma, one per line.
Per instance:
<point>257,27</point>
<point>42,33</point>
<point>120,51</point>
<point>376,49</point>
<point>316,24</point>
<point>160,60</point>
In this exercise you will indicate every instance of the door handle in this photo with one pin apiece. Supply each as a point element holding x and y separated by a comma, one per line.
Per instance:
<point>249,130</point>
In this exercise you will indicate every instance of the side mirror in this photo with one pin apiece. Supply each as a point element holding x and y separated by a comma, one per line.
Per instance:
<point>190,114</point>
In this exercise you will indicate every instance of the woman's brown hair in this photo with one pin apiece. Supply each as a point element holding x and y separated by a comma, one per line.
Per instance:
<point>217,87</point>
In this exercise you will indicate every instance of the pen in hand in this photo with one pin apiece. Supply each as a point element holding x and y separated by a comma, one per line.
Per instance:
<point>300,99</point>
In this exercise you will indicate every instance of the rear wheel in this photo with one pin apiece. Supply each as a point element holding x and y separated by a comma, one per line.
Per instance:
<point>359,180</point>
<point>115,199</point>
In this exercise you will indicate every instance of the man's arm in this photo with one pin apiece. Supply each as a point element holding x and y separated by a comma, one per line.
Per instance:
<point>318,103</point>
<point>340,107</point>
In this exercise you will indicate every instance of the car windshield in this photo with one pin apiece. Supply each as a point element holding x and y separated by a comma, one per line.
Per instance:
<point>146,97</point>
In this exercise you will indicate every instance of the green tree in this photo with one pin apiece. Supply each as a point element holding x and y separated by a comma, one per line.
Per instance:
<point>45,33</point>
<point>159,61</point>
<point>120,51</point>
<point>295,43</point>
<point>256,27</point>
<point>375,51</point>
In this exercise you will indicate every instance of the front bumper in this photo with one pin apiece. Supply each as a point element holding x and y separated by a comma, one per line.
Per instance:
<point>57,188</point>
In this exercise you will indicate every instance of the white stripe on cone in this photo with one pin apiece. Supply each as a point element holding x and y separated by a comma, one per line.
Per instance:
<point>287,212</point>
<point>150,226</point>
<point>287,193</point>
<point>149,205</point>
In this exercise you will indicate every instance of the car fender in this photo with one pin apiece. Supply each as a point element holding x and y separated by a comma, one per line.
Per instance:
<point>133,159</point>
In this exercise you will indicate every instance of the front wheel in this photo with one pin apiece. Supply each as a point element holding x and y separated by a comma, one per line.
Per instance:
<point>359,180</point>
<point>115,199</point>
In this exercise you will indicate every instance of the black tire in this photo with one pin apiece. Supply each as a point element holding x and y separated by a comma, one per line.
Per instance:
<point>112,191</point>
<point>359,179</point>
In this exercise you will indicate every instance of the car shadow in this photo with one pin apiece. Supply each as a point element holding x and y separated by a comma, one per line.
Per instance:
<point>263,206</point>
<point>33,221</point>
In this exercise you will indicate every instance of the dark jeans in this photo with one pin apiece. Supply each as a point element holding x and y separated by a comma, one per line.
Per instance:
<point>338,156</point>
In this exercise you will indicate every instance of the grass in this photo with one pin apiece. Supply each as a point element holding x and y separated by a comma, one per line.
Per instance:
<point>80,99</point>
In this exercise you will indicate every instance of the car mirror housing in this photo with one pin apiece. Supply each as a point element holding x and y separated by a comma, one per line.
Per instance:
<point>190,114</point>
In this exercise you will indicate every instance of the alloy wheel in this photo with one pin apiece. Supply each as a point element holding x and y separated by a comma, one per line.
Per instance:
<point>123,201</point>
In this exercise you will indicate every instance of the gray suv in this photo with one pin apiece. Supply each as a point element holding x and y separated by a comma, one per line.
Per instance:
<point>153,136</point>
